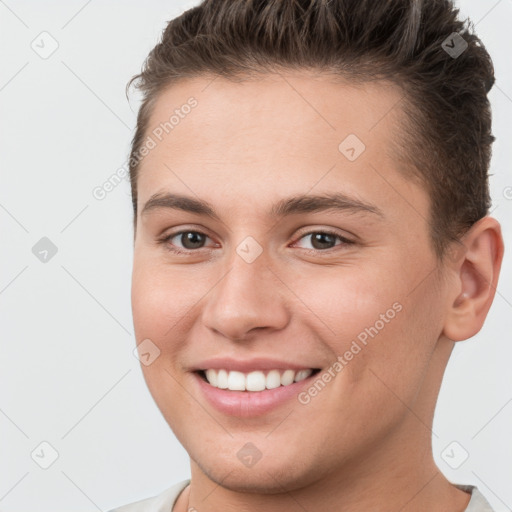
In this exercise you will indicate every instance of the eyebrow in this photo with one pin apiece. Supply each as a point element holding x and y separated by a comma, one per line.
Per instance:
<point>284,207</point>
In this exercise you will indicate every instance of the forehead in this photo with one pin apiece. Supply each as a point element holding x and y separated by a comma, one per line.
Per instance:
<point>276,135</point>
<point>300,106</point>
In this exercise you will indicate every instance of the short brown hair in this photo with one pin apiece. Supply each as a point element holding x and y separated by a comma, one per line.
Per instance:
<point>447,143</point>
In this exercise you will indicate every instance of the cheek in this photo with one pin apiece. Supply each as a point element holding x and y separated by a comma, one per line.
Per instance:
<point>161,299</point>
<point>381,348</point>
<point>163,302</point>
<point>344,301</point>
<point>372,322</point>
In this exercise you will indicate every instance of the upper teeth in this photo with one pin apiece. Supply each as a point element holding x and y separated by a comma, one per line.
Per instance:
<point>254,381</point>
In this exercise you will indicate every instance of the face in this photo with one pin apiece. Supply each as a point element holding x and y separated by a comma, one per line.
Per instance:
<point>263,284</point>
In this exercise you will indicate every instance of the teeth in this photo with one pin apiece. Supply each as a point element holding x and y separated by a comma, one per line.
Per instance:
<point>287,377</point>
<point>211,376</point>
<point>273,380</point>
<point>302,374</point>
<point>254,381</point>
<point>222,379</point>
<point>236,381</point>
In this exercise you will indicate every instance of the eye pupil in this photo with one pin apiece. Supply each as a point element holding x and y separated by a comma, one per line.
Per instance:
<point>320,238</point>
<point>193,238</point>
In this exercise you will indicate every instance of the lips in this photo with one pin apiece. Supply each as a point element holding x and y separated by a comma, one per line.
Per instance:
<point>249,365</point>
<point>252,375</point>
<point>251,387</point>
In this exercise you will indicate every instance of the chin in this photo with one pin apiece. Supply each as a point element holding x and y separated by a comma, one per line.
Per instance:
<point>266,477</point>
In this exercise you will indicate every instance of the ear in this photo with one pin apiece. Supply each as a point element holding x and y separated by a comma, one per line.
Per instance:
<point>476,278</point>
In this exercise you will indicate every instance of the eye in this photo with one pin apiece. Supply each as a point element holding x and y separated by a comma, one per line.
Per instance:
<point>189,241</point>
<point>323,240</point>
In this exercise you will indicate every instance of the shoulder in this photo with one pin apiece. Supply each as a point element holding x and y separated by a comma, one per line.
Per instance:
<point>477,503</point>
<point>163,502</point>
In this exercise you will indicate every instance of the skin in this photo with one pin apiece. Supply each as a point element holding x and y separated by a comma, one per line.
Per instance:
<point>364,442</point>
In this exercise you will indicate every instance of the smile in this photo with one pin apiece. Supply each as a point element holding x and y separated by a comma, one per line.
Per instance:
<point>254,380</point>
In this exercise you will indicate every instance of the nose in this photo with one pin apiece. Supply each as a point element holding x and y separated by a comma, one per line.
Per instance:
<point>248,298</point>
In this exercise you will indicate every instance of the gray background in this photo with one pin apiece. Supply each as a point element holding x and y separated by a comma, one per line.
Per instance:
<point>68,374</point>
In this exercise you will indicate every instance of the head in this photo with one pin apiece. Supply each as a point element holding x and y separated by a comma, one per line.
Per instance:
<point>330,160</point>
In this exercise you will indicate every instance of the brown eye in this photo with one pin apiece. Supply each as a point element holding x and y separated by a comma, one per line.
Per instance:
<point>192,239</point>
<point>184,241</point>
<point>324,240</point>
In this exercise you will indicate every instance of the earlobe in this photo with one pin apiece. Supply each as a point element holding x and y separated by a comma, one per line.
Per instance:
<point>474,286</point>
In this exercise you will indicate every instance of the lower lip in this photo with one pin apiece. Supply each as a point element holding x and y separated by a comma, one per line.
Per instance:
<point>246,404</point>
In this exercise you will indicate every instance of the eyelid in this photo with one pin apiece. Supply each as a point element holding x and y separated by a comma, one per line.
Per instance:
<point>164,239</point>
<point>328,231</point>
<point>346,236</point>
<point>302,234</point>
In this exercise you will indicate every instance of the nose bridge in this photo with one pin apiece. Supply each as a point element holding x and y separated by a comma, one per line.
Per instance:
<point>247,296</point>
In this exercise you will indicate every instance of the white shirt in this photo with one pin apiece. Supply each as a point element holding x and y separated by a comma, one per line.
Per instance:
<point>165,501</point>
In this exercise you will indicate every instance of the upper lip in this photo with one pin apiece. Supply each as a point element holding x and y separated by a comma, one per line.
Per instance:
<point>247,365</point>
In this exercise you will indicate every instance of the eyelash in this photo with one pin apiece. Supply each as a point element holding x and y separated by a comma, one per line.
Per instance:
<point>165,241</point>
